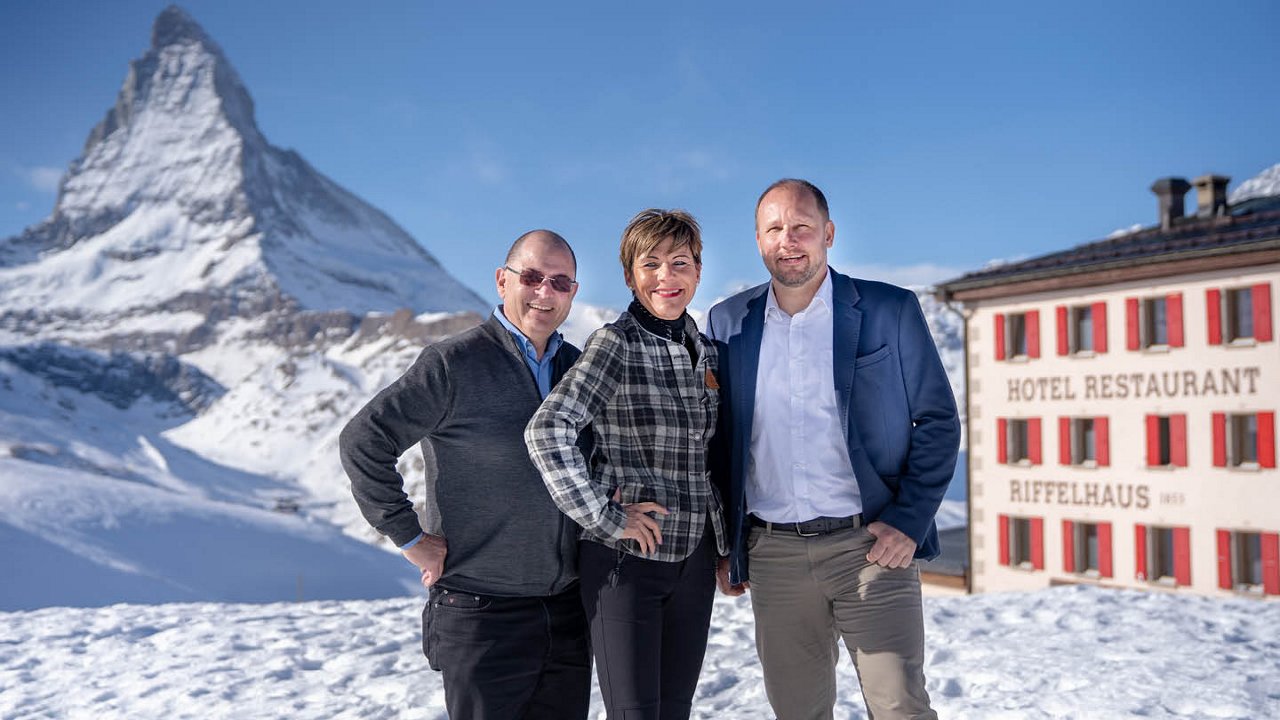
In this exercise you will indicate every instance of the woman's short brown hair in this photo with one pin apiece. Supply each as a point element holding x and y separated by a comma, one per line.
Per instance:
<point>649,228</point>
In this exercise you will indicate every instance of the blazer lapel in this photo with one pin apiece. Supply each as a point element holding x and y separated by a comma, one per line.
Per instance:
<point>846,327</point>
<point>746,359</point>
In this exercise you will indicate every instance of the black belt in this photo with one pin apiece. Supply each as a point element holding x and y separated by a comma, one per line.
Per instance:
<point>810,528</point>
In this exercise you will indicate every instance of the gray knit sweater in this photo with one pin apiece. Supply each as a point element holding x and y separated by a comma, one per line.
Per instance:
<point>467,400</point>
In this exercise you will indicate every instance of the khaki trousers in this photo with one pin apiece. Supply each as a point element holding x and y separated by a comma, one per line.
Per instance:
<point>808,592</point>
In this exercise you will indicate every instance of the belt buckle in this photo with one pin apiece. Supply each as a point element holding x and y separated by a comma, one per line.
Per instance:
<point>805,534</point>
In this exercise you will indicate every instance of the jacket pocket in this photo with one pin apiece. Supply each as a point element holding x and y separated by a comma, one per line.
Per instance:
<point>873,357</point>
<point>880,410</point>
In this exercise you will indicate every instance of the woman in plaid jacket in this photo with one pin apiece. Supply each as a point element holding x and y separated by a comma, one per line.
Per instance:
<point>652,524</point>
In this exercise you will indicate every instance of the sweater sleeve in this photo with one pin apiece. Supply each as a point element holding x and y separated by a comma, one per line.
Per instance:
<point>553,431</point>
<point>372,442</point>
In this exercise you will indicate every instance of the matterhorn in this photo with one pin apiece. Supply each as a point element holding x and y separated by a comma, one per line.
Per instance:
<point>181,341</point>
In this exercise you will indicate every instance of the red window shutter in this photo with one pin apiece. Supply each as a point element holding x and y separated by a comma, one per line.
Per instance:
<point>1102,442</point>
<point>1271,563</point>
<point>1105,568</point>
<point>1213,311</point>
<point>1033,441</point>
<point>1153,440</point>
<point>1063,347</point>
<point>1178,440</point>
<point>1002,441</point>
<point>1064,441</point>
<point>1100,327</point>
<point>1037,543</point>
<point>1267,439</point>
<point>1004,539</point>
<point>1262,312</point>
<point>1173,317</point>
<point>1224,560</point>
<point>999,336</point>
<point>1219,439</point>
<point>1132,330</point>
<point>1068,546</point>
<point>1033,334</point>
<point>1140,552</point>
<point>1182,555</point>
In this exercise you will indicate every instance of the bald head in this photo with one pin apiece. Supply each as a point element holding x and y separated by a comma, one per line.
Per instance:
<point>543,240</point>
<point>799,186</point>
<point>537,262</point>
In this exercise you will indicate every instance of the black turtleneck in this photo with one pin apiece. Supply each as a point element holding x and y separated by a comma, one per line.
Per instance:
<point>673,330</point>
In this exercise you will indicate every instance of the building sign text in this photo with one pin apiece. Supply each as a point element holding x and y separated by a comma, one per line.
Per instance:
<point>1120,386</point>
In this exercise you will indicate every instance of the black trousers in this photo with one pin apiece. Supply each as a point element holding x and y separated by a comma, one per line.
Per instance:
<point>509,658</point>
<point>649,623</point>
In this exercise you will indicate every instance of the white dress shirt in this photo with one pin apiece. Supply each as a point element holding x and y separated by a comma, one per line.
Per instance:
<point>799,466</point>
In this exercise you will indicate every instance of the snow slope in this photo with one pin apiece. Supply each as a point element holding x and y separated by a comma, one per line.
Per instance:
<point>1071,652</point>
<point>76,538</point>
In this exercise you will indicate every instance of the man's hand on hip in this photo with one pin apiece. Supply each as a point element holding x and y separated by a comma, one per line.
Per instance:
<point>428,555</point>
<point>893,549</point>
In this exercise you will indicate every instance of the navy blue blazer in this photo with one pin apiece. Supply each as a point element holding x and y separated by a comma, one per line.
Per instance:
<point>895,402</point>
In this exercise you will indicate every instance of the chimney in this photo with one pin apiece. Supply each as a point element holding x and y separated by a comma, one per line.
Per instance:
<point>1170,191</point>
<point>1211,195</point>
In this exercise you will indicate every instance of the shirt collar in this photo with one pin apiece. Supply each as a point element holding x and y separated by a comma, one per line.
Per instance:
<point>822,298</point>
<point>526,345</point>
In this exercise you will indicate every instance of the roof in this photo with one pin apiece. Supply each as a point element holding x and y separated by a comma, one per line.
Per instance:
<point>1253,225</point>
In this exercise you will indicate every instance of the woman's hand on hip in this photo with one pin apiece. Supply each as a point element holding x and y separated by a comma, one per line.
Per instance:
<point>643,529</point>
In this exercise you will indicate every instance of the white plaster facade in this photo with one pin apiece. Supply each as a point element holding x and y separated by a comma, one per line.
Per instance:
<point>1198,380</point>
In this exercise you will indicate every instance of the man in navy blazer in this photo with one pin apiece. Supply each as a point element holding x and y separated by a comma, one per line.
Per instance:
<point>838,438</point>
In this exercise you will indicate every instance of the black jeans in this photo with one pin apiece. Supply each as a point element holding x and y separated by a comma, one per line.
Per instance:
<point>649,623</point>
<point>509,658</point>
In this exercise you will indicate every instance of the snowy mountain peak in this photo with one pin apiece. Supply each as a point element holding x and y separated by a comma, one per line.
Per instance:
<point>1264,184</point>
<point>179,200</point>
<point>173,25</point>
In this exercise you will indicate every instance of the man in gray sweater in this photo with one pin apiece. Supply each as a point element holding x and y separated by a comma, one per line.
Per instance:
<point>503,620</point>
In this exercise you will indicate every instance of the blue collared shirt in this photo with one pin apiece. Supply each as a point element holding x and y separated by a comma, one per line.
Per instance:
<point>541,369</point>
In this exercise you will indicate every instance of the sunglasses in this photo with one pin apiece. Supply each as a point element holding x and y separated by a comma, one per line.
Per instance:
<point>533,278</point>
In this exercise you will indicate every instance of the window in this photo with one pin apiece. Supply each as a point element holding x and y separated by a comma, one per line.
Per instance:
<point>1161,558</point>
<point>1082,329</point>
<point>1083,445</point>
<point>1240,315</point>
<point>1163,555</point>
<point>1249,562</point>
<point>1167,440</point>
<point>1154,322</point>
<point>1017,335</point>
<point>1086,548</point>
<point>1244,440</point>
<point>1018,441</point>
<point>1084,442</point>
<point>1022,542</point>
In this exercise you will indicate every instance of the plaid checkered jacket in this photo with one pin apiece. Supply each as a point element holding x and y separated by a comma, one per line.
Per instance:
<point>652,413</point>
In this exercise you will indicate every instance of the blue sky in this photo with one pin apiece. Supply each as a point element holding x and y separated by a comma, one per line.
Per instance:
<point>945,134</point>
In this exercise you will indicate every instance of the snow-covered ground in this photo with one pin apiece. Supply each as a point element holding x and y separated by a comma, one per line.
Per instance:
<point>1069,652</point>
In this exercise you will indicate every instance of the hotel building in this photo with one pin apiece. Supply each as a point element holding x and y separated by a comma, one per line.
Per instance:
<point>1122,400</point>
